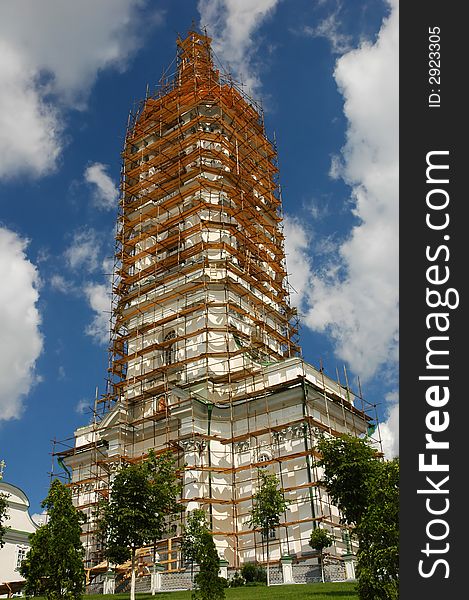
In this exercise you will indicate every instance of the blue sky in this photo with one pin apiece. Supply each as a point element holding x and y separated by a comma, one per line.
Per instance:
<point>326,74</point>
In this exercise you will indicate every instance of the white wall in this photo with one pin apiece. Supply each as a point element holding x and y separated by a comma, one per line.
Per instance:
<point>19,526</point>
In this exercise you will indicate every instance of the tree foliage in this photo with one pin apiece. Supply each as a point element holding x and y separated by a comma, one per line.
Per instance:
<point>319,540</point>
<point>3,517</point>
<point>268,504</point>
<point>191,543</point>
<point>253,573</point>
<point>210,586</point>
<point>378,532</point>
<point>197,545</point>
<point>349,464</point>
<point>366,490</point>
<point>142,505</point>
<point>237,580</point>
<point>53,566</point>
<point>143,499</point>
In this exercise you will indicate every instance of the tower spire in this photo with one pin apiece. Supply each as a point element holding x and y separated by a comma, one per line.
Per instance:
<point>195,58</point>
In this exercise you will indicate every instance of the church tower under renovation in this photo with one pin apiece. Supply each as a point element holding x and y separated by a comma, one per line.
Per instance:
<point>204,354</point>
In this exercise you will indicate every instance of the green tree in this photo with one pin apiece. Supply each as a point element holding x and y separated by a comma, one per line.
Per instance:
<point>253,572</point>
<point>210,586</point>
<point>142,505</point>
<point>268,504</point>
<point>366,490</point>
<point>319,540</point>
<point>349,464</point>
<point>53,566</point>
<point>378,533</point>
<point>3,517</point>
<point>191,543</point>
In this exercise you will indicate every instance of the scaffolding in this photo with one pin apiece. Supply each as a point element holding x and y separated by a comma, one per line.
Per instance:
<point>204,357</point>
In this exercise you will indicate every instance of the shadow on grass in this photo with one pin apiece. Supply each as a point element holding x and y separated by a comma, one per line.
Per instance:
<point>338,594</point>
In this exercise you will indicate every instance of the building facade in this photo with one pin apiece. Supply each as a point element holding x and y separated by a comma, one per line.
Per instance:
<point>204,354</point>
<point>16,540</point>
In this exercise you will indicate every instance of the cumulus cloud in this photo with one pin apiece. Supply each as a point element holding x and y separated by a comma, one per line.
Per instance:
<point>298,260</point>
<point>19,323</point>
<point>389,430</point>
<point>105,192</point>
<point>71,42</point>
<point>30,128</point>
<point>233,23</point>
<point>50,56</point>
<point>83,252</point>
<point>354,297</point>
<point>84,259</point>
<point>99,301</point>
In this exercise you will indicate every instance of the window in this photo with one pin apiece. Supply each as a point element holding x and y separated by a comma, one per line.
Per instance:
<point>264,457</point>
<point>169,352</point>
<point>21,552</point>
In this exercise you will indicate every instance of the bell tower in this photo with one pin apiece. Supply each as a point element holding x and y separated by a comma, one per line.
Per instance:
<point>201,290</point>
<point>204,359</point>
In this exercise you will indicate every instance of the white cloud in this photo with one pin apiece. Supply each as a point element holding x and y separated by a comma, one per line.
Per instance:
<point>336,167</point>
<point>83,252</point>
<point>232,24</point>
<point>83,255</point>
<point>355,297</point>
<point>319,209</point>
<point>389,431</point>
<point>82,406</point>
<point>108,268</point>
<point>30,129</point>
<point>60,284</point>
<point>50,56</point>
<point>99,300</point>
<point>105,192</point>
<point>19,323</point>
<point>298,261</point>
<point>40,518</point>
<point>329,28</point>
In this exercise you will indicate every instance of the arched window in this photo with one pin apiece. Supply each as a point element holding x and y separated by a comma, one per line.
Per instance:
<point>169,351</point>
<point>264,457</point>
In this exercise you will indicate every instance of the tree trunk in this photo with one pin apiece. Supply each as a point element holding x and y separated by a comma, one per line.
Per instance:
<point>268,571</point>
<point>322,567</point>
<point>132,578</point>
<point>153,591</point>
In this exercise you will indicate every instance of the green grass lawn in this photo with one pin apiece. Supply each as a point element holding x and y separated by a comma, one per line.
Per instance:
<point>314,591</point>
